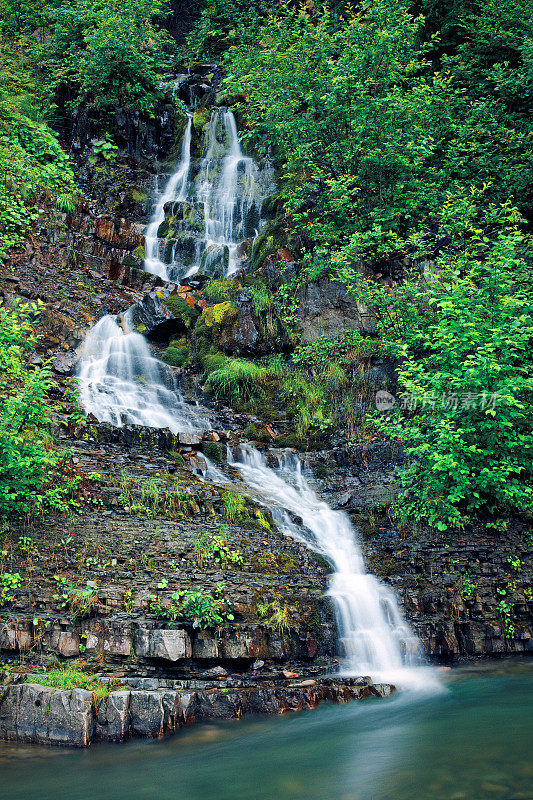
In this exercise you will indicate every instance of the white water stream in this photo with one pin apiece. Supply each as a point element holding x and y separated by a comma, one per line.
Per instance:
<point>376,639</point>
<point>175,190</point>
<point>211,208</point>
<point>122,383</point>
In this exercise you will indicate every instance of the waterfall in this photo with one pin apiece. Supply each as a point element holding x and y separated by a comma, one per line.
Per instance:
<point>206,213</point>
<point>122,383</point>
<point>175,190</point>
<point>205,221</point>
<point>375,638</point>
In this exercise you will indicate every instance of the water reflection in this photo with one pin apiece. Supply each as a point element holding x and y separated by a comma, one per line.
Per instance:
<point>470,743</point>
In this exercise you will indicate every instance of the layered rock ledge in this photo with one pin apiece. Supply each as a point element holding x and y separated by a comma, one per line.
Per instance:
<point>33,713</point>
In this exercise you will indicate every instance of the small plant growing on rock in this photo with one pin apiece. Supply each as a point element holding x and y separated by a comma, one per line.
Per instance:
<point>214,549</point>
<point>277,612</point>
<point>234,505</point>
<point>81,601</point>
<point>8,582</point>
<point>468,588</point>
<point>204,610</point>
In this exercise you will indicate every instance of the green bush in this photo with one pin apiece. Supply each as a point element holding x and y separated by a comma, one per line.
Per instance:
<point>106,54</point>
<point>33,474</point>
<point>466,377</point>
<point>33,167</point>
<point>221,291</point>
<point>177,353</point>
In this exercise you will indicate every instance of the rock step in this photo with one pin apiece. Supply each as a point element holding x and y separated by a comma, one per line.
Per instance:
<point>30,712</point>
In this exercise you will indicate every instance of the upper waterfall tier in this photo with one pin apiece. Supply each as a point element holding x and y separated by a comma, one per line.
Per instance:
<point>122,383</point>
<point>208,210</point>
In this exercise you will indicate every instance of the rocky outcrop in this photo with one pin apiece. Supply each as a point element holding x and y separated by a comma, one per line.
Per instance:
<point>39,714</point>
<point>328,309</point>
<point>33,713</point>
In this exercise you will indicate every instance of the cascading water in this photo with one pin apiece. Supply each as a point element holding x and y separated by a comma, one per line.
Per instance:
<point>376,639</point>
<point>204,222</point>
<point>205,214</point>
<point>122,383</point>
<point>175,190</point>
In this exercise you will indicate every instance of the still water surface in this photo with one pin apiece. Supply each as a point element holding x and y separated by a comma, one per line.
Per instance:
<point>471,742</point>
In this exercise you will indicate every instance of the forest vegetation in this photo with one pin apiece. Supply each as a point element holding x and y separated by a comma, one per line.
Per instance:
<point>401,134</point>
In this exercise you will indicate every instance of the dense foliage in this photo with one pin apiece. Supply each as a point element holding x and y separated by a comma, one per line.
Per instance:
<point>403,135</point>
<point>102,53</point>
<point>33,167</point>
<point>34,475</point>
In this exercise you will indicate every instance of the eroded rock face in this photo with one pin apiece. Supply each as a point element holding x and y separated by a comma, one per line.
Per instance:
<point>40,714</point>
<point>34,713</point>
<point>327,309</point>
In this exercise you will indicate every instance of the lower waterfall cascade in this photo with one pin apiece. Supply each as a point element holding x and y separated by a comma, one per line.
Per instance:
<point>122,383</point>
<point>374,637</point>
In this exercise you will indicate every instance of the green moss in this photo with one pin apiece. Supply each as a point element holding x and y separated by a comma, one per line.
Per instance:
<point>280,564</point>
<point>257,433</point>
<point>181,309</point>
<point>177,457</point>
<point>200,118</point>
<point>177,354</point>
<point>139,252</point>
<point>139,197</point>
<point>213,321</point>
<point>215,452</point>
<point>221,291</point>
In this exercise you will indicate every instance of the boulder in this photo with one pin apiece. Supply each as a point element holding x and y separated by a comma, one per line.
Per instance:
<point>65,364</point>
<point>113,717</point>
<point>169,645</point>
<point>34,713</point>
<point>328,309</point>
<point>147,714</point>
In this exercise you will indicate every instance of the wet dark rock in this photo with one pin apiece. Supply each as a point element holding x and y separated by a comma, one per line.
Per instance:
<point>43,715</point>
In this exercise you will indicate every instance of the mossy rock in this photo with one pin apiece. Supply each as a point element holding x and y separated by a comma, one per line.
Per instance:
<point>178,353</point>
<point>200,118</point>
<point>221,291</point>
<point>257,433</point>
<point>212,322</point>
<point>215,452</point>
<point>182,310</point>
<point>139,197</point>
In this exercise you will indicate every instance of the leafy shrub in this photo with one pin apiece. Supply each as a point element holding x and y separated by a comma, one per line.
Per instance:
<point>8,582</point>
<point>214,549</point>
<point>33,167</point>
<point>105,54</point>
<point>466,377</point>
<point>204,610</point>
